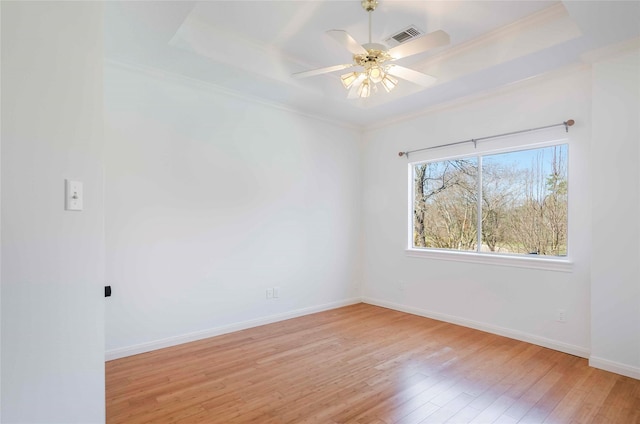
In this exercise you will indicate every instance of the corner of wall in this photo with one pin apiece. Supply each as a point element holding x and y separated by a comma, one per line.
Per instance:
<point>615,294</point>
<point>0,212</point>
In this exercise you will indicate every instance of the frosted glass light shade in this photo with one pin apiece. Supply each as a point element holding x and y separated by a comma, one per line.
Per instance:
<point>376,74</point>
<point>348,79</point>
<point>389,82</point>
<point>365,89</point>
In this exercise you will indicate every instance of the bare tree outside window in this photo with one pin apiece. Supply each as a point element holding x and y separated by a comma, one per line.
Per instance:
<point>523,203</point>
<point>445,210</point>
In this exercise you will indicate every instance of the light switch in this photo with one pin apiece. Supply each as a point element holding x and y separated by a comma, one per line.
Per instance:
<point>73,195</point>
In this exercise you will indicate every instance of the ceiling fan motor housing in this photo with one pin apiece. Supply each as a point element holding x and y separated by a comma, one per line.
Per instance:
<point>374,56</point>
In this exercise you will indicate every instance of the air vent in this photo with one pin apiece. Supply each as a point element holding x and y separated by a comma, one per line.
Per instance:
<point>403,36</point>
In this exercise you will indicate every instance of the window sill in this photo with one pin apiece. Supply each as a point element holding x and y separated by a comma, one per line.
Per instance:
<point>542,263</point>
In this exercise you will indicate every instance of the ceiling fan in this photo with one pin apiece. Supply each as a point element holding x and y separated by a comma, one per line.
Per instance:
<point>372,61</point>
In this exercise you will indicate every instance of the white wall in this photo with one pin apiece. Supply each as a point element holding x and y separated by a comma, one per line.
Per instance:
<point>210,200</point>
<point>517,302</point>
<point>0,214</point>
<point>52,260</point>
<point>615,272</point>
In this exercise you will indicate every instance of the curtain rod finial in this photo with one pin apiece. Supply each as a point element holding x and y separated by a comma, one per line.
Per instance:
<point>402,154</point>
<point>568,123</point>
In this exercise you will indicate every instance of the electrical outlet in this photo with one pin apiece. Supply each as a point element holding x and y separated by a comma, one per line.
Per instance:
<point>276,292</point>
<point>270,293</point>
<point>561,315</point>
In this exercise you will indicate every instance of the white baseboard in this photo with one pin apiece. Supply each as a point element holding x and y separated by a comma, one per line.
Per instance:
<point>616,367</point>
<point>596,362</point>
<point>501,331</point>
<point>217,331</point>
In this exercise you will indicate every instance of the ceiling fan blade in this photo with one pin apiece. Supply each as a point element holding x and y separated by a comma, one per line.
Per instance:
<point>432,40</point>
<point>411,75</point>
<point>347,41</point>
<point>320,71</point>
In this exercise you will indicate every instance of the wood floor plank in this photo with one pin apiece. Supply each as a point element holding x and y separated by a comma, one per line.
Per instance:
<point>364,364</point>
<point>574,376</point>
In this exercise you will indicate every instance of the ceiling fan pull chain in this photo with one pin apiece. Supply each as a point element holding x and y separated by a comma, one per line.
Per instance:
<point>370,26</point>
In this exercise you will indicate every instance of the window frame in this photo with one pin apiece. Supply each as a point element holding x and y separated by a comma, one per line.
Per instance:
<point>550,263</point>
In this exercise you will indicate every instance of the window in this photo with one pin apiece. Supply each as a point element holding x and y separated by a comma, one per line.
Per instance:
<point>512,203</point>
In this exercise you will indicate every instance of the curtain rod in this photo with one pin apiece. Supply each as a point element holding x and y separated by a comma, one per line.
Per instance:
<point>566,125</point>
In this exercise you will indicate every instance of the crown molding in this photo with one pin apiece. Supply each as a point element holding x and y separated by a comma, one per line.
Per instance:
<point>532,21</point>
<point>611,51</point>
<point>485,94</point>
<point>180,79</point>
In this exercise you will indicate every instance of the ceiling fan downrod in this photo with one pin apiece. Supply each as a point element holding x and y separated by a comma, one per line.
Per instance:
<point>369,6</point>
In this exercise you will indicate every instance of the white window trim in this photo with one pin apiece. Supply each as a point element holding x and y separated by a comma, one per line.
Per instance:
<point>548,263</point>
<point>561,264</point>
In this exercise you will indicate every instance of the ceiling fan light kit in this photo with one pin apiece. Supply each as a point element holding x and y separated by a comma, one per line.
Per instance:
<point>372,61</point>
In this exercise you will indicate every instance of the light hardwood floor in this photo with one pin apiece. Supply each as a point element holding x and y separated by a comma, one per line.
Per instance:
<point>364,364</point>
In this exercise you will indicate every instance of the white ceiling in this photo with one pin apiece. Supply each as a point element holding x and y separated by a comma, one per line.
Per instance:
<point>253,47</point>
